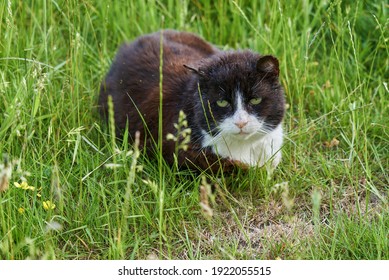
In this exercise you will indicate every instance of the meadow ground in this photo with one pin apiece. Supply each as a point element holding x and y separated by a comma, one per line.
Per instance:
<point>88,196</point>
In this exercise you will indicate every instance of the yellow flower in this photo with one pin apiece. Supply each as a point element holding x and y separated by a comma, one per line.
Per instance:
<point>38,194</point>
<point>48,205</point>
<point>24,186</point>
<point>21,210</point>
<point>20,186</point>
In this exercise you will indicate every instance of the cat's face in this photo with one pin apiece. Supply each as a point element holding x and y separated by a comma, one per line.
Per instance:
<point>240,97</point>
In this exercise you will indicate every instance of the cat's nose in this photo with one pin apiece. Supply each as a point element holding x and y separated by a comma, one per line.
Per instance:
<point>241,118</point>
<point>241,123</point>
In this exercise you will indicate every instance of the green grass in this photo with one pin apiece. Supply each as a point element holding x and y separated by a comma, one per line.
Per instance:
<point>323,202</point>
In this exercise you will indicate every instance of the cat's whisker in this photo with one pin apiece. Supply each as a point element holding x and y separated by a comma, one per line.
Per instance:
<point>212,140</point>
<point>199,140</point>
<point>264,130</point>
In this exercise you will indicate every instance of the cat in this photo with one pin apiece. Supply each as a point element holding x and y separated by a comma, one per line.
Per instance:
<point>233,100</point>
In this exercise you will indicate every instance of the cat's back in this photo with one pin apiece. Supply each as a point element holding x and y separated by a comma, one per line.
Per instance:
<point>133,80</point>
<point>186,44</point>
<point>136,66</point>
<point>143,54</point>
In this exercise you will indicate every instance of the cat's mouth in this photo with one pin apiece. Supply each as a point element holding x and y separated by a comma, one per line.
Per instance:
<point>243,133</point>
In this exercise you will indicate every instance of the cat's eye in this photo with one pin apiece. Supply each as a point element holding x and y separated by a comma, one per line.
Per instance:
<point>255,101</point>
<point>222,103</point>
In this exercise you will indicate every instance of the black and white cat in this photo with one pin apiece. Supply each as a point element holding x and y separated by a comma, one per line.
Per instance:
<point>233,100</point>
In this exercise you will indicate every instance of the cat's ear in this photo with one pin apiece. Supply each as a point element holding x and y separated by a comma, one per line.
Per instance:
<point>268,64</point>
<point>199,72</point>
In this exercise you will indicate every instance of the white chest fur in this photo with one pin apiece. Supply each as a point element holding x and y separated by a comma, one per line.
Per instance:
<point>253,149</point>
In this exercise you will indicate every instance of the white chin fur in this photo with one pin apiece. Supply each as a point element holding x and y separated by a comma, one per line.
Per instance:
<point>254,149</point>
